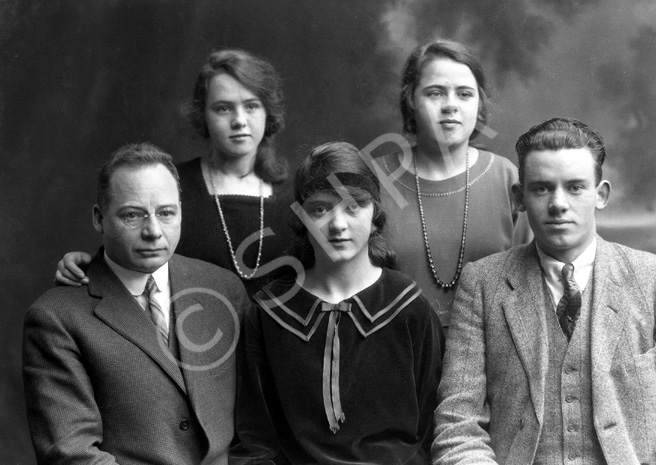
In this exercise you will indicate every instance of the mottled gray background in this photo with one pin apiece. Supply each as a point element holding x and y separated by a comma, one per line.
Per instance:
<point>79,78</point>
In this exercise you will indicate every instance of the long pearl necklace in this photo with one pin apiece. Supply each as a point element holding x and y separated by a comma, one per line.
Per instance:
<point>227,235</point>
<point>429,255</point>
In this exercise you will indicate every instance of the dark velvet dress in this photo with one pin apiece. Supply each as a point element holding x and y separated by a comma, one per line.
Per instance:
<point>347,383</point>
<point>202,235</point>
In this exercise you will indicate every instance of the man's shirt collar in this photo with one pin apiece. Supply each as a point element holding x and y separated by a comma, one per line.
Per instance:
<point>135,281</point>
<point>552,270</point>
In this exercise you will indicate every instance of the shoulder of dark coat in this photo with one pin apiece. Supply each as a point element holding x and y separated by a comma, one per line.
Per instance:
<point>204,271</point>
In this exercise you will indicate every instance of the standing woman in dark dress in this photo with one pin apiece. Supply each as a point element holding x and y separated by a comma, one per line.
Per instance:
<point>235,198</point>
<point>235,202</point>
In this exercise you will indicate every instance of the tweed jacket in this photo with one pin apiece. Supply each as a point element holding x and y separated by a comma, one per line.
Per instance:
<point>492,394</point>
<point>102,388</point>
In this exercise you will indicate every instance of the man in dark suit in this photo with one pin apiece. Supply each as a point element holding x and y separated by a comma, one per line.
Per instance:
<point>550,358</point>
<point>138,366</point>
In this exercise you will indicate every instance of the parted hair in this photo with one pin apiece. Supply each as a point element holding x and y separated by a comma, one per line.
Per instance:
<point>414,66</point>
<point>557,134</point>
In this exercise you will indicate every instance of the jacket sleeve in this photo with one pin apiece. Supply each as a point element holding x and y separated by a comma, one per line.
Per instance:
<point>64,420</point>
<point>257,401</point>
<point>463,414</point>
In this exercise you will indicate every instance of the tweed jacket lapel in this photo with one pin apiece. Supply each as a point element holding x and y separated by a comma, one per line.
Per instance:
<point>607,300</point>
<point>526,318</point>
<point>120,310</point>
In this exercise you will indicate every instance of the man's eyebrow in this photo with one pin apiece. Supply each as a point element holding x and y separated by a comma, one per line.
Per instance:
<point>538,181</point>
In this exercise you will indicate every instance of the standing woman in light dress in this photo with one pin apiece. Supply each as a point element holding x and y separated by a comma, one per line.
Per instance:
<point>235,198</point>
<point>458,202</point>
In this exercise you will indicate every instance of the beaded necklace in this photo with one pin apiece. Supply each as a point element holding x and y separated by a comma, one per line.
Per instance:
<point>429,255</point>
<point>227,235</point>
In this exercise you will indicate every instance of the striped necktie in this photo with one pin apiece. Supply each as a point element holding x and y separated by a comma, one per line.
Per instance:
<point>156,312</point>
<point>569,307</point>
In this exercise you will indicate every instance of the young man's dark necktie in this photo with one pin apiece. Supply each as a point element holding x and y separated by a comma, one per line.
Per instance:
<point>569,307</point>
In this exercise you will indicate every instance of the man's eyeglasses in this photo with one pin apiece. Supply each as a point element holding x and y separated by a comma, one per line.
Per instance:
<point>136,219</point>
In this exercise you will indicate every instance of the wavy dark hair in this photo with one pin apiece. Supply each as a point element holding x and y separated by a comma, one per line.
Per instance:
<point>260,77</point>
<point>414,66</point>
<point>557,134</point>
<point>340,157</point>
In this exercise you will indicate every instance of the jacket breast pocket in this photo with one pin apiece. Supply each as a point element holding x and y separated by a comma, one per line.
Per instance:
<point>645,408</point>
<point>645,377</point>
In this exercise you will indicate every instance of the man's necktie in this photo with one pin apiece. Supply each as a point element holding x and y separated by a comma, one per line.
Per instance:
<point>156,312</point>
<point>569,307</point>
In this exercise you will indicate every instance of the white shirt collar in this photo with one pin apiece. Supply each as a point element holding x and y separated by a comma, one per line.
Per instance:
<point>135,281</point>
<point>552,270</point>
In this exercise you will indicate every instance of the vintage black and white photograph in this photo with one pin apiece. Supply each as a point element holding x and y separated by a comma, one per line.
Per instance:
<point>298,232</point>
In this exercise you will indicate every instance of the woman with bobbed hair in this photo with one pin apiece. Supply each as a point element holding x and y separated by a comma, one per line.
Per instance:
<point>339,364</point>
<point>322,159</point>
<point>458,197</point>
<point>235,198</point>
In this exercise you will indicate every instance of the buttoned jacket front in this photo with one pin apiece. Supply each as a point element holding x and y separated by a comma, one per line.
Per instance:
<point>102,387</point>
<point>492,394</point>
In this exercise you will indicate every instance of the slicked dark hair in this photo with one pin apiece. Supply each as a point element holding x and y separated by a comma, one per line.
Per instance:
<point>557,134</point>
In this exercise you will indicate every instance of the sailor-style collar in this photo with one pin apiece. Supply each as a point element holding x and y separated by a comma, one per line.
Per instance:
<point>300,312</point>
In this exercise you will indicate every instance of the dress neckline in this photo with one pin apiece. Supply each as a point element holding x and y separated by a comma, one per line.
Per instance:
<point>442,187</point>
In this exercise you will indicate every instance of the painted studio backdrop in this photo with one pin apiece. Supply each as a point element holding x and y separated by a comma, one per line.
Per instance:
<point>78,79</point>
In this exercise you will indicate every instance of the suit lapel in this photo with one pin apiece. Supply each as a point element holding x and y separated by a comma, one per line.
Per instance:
<point>183,305</point>
<point>120,310</point>
<point>526,320</point>
<point>607,297</point>
<point>207,333</point>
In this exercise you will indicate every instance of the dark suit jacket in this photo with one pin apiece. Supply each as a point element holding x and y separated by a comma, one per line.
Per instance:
<point>102,388</point>
<point>492,391</point>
